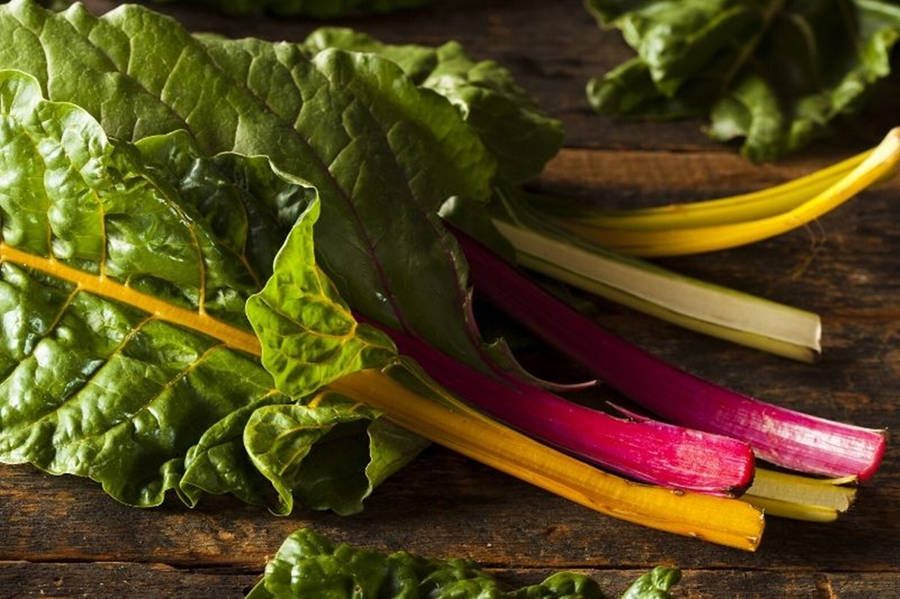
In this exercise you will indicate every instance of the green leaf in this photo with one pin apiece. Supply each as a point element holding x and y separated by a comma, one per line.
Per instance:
<point>247,203</point>
<point>519,134</point>
<point>330,454</point>
<point>308,334</point>
<point>655,584</point>
<point>125,353</point>
<point>97,381</point>
<point>308,565</point>
<point>629,91</point>
<point>326,453</point>
<point>774,73</point>
<point>351,124</point>
<point>317,9</point>
<point>218,463</point>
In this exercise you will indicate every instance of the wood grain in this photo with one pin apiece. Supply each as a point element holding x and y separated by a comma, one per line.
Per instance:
<point>62,537</point>
<point>125,580</point>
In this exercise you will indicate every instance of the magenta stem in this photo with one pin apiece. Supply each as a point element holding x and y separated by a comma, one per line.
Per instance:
<point>782,436</point>
<point>650,451</point>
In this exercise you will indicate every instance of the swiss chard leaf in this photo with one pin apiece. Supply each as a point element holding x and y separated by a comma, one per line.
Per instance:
<point>314,452</point>
<point>308,565</point>
<point>519,134</point>
<point>218,463</point>
<point>308,334</point>
<point>126,354</point>
<point>516,131</point>
<point>655,584</point>
<point>382,153</point>
<point>774,73</point>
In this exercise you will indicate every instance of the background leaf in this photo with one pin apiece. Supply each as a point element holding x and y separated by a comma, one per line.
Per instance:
<point>774,73</point>
<point>309,565</point>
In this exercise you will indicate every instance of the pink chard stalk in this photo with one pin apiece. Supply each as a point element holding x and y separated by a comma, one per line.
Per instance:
<point>650,451</point>
<point>784,437</point>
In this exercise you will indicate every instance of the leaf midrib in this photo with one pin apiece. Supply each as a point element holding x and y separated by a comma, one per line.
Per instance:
<point>103,286</point>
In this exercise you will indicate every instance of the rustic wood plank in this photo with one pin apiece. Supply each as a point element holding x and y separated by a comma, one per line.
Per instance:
<point>442,505</point>
<point>125,580</point>
<point>445,505</point>
<point>122,580</point>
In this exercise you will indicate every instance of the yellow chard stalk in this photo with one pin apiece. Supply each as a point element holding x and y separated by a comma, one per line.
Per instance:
<point>446,420</point>
<point>731,222</point>
<point>733,209</point>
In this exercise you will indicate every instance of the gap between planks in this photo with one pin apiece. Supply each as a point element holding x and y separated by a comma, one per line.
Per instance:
<point>493,568</point>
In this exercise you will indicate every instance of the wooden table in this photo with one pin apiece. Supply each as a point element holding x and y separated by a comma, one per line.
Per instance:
<point>61,536</point>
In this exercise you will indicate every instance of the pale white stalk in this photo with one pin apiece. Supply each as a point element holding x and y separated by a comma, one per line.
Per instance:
<point>801,497</point>
<point>710,309</point>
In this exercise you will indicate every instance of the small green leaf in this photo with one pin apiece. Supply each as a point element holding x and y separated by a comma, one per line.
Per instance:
<point>330,454</point>
<point>218,463</point>
<point>308,335</point>
<point>655,584</point>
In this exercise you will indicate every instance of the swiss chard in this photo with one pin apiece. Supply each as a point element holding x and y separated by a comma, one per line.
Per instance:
<point>774,73</point>
<point>384,155</point>
<point>363,133</point>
